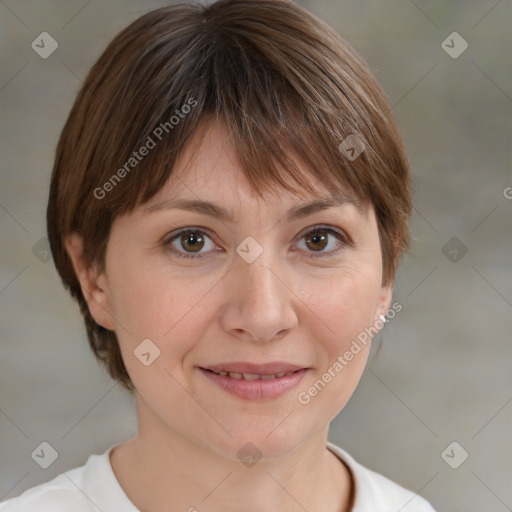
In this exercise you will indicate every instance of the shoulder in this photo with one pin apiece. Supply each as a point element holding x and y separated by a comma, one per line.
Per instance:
<point>376,492</point>
<point>88,488</point>
<point>57,495</point>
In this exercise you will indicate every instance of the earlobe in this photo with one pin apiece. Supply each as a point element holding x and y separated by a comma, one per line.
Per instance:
<point>384,303</point>
<point>386,292</point>
<point>93,285</point>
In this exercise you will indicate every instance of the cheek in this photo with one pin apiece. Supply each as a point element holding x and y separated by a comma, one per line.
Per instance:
<point>167,308</point>
<point>344,303</point>
<point>344,308</point>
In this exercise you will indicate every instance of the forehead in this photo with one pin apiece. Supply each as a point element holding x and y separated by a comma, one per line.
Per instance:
<point>208,175</point>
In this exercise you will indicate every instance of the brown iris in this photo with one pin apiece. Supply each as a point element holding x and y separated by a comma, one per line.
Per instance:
<point>318,238</point>
<point>192,241</point>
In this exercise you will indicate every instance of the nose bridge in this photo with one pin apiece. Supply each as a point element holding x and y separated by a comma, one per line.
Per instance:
<point>262,283</point>
<point>256,257</point>
<point>261,304</point>
<point>258,282</point>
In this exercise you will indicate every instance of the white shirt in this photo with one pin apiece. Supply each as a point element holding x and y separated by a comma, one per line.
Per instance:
<point>94,488</point>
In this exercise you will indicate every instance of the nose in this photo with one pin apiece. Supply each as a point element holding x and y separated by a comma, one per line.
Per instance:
<point>260,305</point>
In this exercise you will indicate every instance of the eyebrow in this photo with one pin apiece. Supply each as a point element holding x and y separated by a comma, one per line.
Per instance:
<point>214,210</point>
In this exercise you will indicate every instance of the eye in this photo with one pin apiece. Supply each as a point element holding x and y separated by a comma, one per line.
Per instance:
<point>316,240</point>
<point>190,240</point>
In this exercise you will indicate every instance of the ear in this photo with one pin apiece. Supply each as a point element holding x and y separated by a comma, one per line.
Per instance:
<point>386,291</point>
<point>383,302</point>
<point>93,284</point>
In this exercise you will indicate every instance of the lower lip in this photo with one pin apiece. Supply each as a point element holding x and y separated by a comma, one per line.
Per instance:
<point>256,389</point>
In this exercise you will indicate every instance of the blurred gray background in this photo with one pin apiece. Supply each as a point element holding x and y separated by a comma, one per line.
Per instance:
<point>443,373</point>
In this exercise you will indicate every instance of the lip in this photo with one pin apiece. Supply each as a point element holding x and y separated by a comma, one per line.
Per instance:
<point>261,369</point>
<point>255,390</point>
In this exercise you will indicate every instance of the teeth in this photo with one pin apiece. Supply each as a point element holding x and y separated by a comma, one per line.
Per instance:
<point>253,376</point>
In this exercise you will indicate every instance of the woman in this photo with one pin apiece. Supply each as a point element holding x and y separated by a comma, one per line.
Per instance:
<point>228,206</point>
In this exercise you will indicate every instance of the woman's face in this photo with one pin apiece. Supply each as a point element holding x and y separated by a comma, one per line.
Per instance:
<point>264,293</point>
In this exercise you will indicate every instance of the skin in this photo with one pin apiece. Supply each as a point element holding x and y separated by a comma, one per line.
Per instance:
<point>284,306</point>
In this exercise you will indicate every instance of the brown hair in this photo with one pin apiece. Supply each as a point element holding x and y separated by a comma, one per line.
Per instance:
<point>284,83</point>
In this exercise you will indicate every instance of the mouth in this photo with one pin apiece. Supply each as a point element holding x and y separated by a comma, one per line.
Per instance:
<point>252,376</point>
<point>255,382</point>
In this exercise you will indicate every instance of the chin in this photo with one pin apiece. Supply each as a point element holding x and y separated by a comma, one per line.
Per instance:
<point>255,443</point>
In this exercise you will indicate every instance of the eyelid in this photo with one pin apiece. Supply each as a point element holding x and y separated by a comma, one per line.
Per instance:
<point>170,237</point>
<point>342,236</point>
<point>174,234</point>
<point>327,227</point>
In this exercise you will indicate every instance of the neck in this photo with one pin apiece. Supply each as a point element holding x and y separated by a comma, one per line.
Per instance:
<point>160,467</point>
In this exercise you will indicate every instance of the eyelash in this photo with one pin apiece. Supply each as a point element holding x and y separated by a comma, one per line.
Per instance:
<point>344,239</point>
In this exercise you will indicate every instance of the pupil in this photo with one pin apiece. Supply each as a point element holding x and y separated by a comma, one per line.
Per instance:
<point>194,240</point>
<point>318,237</point>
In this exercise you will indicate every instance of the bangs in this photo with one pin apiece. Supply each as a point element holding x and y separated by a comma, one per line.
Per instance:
<point>260,93</point>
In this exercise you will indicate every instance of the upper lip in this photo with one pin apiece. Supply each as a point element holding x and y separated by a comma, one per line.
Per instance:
<point>258,369</point>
